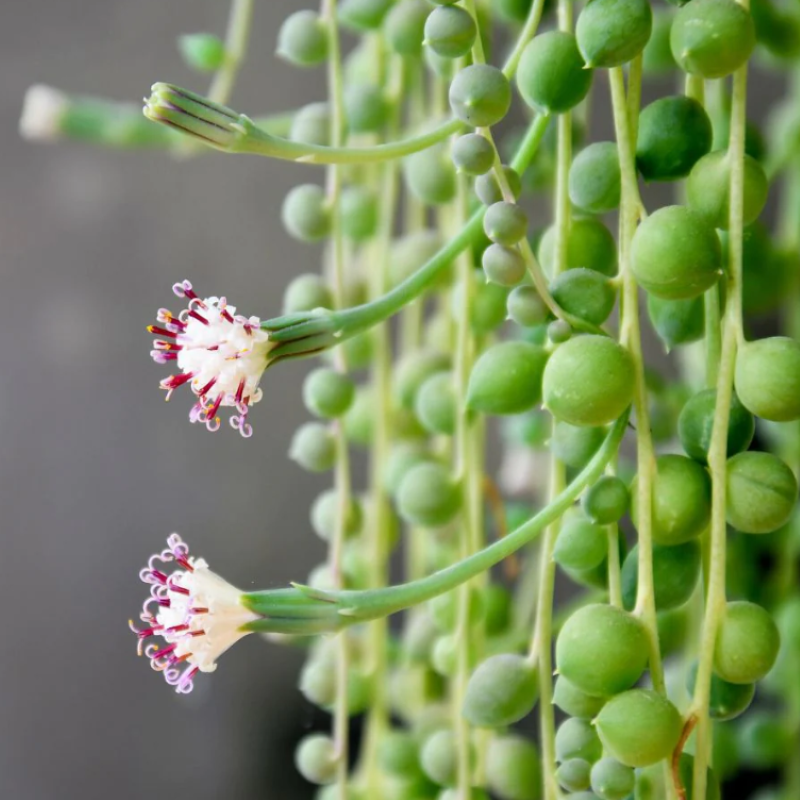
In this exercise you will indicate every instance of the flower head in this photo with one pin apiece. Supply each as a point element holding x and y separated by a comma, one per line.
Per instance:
<point>197,614</point>
<point>220,354</point>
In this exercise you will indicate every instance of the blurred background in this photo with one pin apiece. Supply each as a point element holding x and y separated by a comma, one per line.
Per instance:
<point>95,469</point>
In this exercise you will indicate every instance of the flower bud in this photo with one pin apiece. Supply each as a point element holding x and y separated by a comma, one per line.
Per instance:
<point>676,254</point>
<point>552,76</point>
<point>204,52</point>
<point>602,650</point>
<point>507,378</point>
<point>450,31</point>
<point>762,492</point>
<point>303,39</point>
<point>588,381</point>
<point>501,691</point>
<point>313,447</point>
<point>639,727</point>
<point>613,32</point>
<point>513,768</point>
<point>428,496</point>
<point>480,95</point>
<point>328,393</point>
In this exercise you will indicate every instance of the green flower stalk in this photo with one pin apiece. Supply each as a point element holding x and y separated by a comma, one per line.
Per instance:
<point>362,605</point>
<point>227,130</point>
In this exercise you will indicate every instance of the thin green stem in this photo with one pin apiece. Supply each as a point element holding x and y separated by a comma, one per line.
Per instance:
<point>342,478</point>
<point>614,571</point>
<point>541,648</point>
<point>713,340</point>
<point>381,519</point>
<point>526,34</point>
<point>362,317</point>
<point>236,38</point>
<point>367,604</point>
<point>630,337</point>
<point>467,468</point>
<point>717,455</point>
<point>303,606</point>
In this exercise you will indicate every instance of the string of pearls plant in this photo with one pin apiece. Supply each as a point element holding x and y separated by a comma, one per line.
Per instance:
<point>656,484</point>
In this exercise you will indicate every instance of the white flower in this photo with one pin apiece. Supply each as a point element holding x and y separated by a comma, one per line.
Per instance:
<point>42,110</point>
<point>197,614</point>
<point>220,354</point>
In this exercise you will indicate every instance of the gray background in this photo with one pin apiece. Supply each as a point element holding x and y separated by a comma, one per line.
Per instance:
<point>96,468</point>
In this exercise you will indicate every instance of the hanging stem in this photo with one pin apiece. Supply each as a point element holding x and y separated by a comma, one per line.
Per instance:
<point>236,38</point>
<point>342,479</point>
<point>732,335</point>
<point>630,337</point>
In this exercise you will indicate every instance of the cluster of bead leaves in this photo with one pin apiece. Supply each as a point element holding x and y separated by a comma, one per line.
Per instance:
<point>697,596</point>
